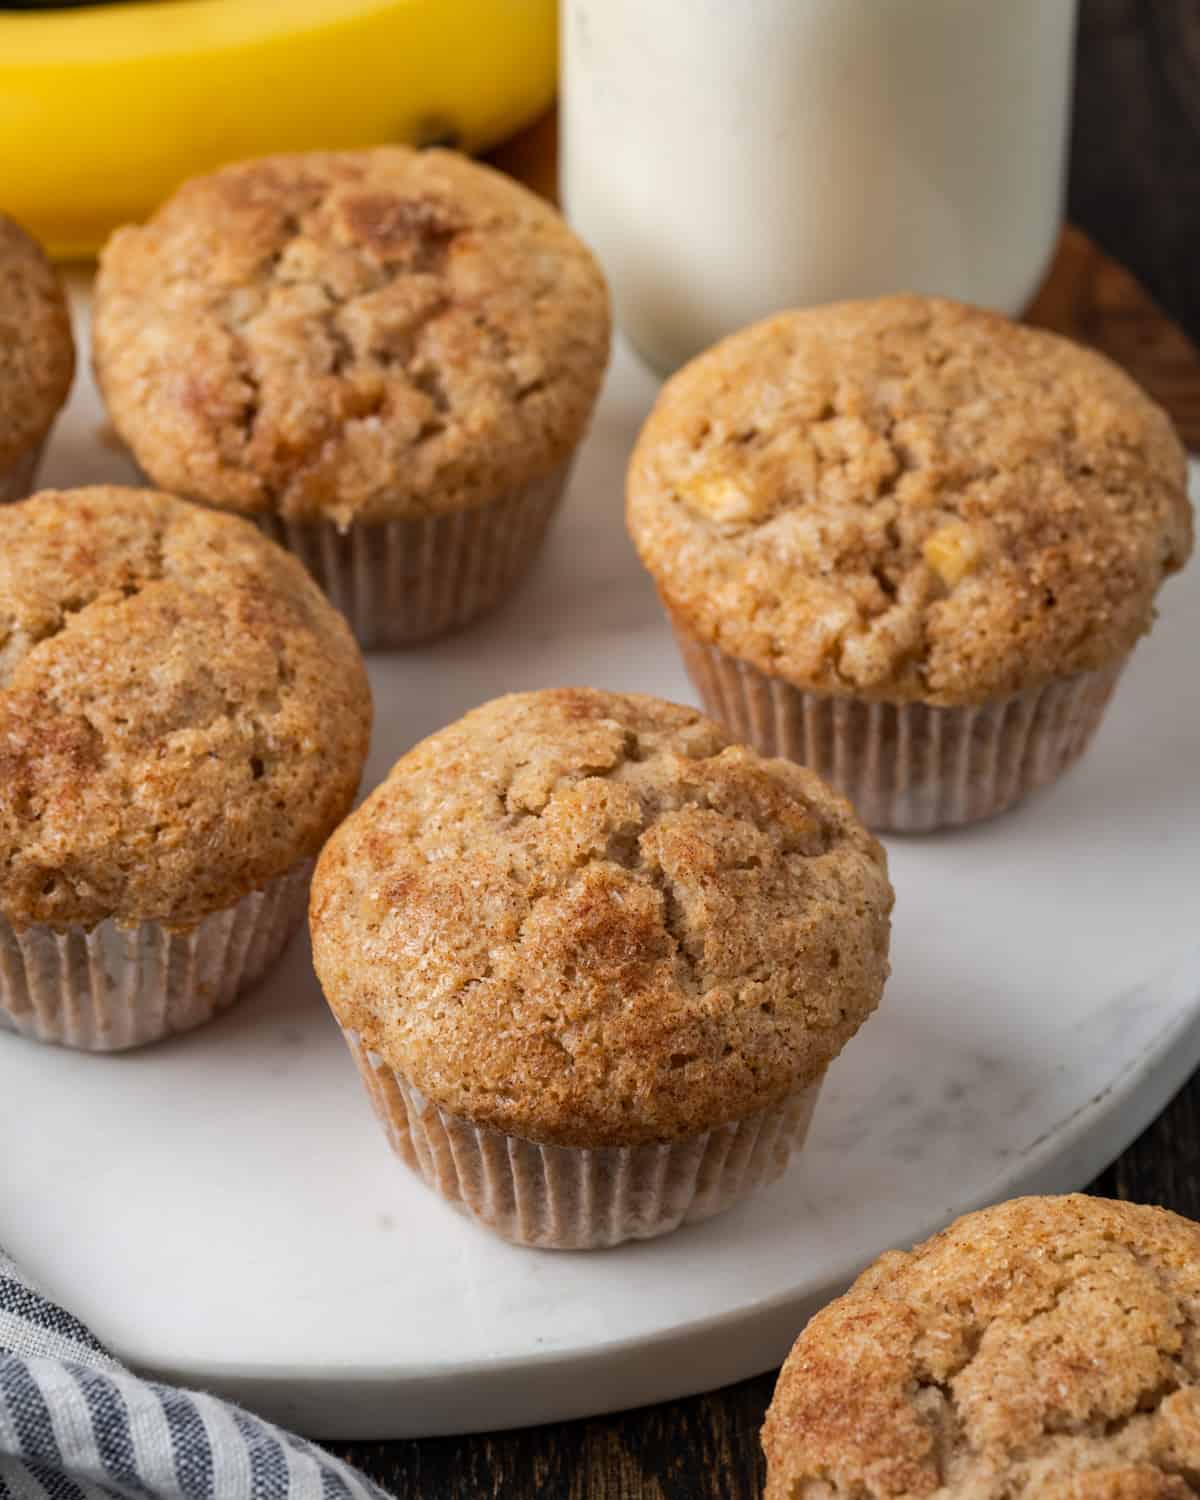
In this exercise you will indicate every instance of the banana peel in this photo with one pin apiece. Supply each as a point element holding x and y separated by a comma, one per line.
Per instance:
<point>104,111</point>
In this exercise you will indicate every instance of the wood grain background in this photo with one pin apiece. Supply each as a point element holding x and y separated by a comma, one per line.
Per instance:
<point>1135,190</point>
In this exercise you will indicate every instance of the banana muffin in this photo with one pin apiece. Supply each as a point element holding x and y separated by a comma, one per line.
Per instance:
<point>37,356</point>
<point>385,357</point>
<point>593,961</point>
<point>183,720</point>
<point>1048,1347</point>
<point>910,544</point>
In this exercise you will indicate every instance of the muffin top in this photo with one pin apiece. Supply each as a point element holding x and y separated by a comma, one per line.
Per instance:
<point>37,353</point>
<point>909,499</point>
<point>587,919</point>
<point>183,716</point>
<point>1048,1347</point>
<point>359,335</point>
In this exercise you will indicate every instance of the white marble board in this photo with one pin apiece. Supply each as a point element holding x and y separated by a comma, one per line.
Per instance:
<point>223,1210</point>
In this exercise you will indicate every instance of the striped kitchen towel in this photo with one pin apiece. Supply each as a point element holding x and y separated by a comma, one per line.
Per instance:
<point>76,1425</point>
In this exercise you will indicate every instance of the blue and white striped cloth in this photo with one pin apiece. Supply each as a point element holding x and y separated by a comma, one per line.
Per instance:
<point>76,1425</point>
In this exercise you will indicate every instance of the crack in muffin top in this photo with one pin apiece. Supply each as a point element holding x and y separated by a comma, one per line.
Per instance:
<point>909,499</point>
<point>1047,1347</point>
<point>183,715</point>
<point>586,919</point>
<point>357,335</point>
<point>37,352</point>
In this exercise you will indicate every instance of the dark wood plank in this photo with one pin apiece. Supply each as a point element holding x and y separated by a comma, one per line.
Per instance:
<point>1135,190</point>
<point>1089,297</point>
<point>1135,151</point>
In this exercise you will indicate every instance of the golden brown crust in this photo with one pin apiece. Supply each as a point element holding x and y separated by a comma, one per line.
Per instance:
<point>37,353</point>
<point>357,335</point>
<point>584,918</point>
<point>1047,1347</point>
<point>909,499</point>
<point>183,716</point>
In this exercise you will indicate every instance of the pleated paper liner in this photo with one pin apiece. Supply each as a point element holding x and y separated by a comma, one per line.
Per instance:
<point>399,582</point>
<point>109,987</point>
<point>575,1198</point>
<point>906,767</point>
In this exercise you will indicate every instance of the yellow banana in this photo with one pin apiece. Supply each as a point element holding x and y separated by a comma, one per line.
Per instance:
<point>103,111</point>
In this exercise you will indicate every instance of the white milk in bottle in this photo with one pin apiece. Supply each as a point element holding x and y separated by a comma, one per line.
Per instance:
<point>730,158</point>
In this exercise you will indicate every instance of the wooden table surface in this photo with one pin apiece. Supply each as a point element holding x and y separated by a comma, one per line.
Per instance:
<point>1135,190</point>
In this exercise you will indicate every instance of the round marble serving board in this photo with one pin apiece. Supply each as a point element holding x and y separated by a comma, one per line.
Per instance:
<point>222,1208</point>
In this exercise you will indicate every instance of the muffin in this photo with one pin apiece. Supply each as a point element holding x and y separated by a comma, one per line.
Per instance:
<point>910,544</point>
<point>384,357</point>
<point>1047,1347</point>
<point>183,720</point>
<point>37,356</point>
<point>593,961</point>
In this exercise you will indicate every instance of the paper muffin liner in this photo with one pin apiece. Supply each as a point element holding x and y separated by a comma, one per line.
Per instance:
<point>109,987</point>
<point>576,1198</point>
<point>907,767</point>
<point>17,477</point>
<point>398,582</point>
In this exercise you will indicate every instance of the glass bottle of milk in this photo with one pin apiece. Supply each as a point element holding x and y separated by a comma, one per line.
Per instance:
<point>730,158</point>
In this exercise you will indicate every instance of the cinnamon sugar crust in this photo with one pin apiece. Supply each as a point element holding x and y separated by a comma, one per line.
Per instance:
<point>183,716</point>
<point>37,353</point>
<point>586,919</point>
<point>909,499</point>
<point>355,336</point>
<point>1047,1347</point>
